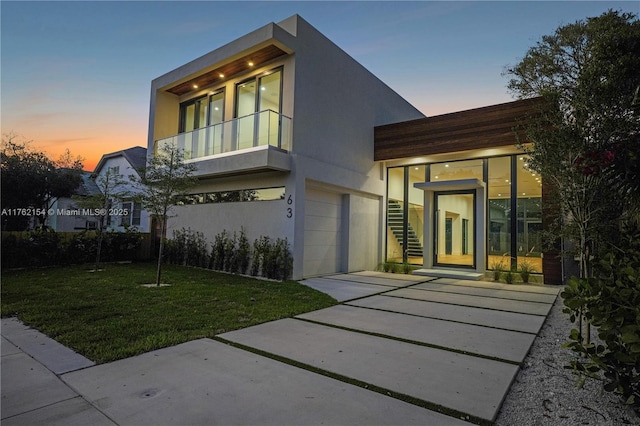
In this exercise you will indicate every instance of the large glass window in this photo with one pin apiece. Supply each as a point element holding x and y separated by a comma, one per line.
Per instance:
<point>514,212</point>
<point>415,214</point>
<point>195,116</point>
<point>261,93</point>
<point>216,116</point>
<point>245,107</point>
<point>529,214</point>
<point>395,213</point>
<point>499,225</point>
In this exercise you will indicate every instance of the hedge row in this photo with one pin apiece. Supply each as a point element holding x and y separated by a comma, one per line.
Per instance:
<point>48,248</point>
<point>231,253</point>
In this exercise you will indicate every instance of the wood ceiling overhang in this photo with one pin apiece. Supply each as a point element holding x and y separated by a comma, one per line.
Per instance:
<point>478,128</point>
<point>258,57</point>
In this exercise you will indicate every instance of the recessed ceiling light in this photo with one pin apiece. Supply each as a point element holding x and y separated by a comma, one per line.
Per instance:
<point>250,63</point>
<point>195,86</point>
<point>499,195</point>
<point>446,165</point>
<point>221,75</point>
<point>437,177</point>
<point>417,168</point>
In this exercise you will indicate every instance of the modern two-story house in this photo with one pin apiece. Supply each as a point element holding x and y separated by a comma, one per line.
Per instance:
<point>294,139</point>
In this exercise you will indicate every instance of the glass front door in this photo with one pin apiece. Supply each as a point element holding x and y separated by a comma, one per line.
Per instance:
<point>454,242</point>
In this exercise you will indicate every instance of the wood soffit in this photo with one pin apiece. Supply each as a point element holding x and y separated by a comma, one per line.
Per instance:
<point>241,64</point>
<point>478,128</point>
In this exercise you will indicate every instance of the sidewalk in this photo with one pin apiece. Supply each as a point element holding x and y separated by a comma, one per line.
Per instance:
<point>32,392</point>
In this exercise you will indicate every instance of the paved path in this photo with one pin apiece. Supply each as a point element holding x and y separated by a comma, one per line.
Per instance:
<point>399,349</point>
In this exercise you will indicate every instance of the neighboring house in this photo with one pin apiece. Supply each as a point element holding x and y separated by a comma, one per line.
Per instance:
<point>125,213</point>
<point>66,216</point>
<point>340,164</point>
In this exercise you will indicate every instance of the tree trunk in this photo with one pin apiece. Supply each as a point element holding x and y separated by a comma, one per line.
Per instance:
<point>98,250</point>
<point>159,271</point>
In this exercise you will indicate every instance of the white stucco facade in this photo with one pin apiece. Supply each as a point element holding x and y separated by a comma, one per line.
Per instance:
<point>333,204</point>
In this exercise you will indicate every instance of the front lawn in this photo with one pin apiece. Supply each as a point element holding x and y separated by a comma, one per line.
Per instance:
<point>108,315</point>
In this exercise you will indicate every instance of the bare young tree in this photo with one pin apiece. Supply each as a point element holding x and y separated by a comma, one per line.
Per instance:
<point>110,186</point>
<point>162,185</point>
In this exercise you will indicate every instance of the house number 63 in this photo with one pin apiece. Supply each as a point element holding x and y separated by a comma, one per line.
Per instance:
<point>289,209</point>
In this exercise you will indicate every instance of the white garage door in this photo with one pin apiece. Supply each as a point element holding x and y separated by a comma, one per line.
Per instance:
<point>322,224</point>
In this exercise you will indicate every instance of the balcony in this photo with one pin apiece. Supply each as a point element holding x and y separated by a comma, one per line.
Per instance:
<point>256,142</point>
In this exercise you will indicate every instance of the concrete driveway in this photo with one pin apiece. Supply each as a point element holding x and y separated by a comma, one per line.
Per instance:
<point>399,349</point>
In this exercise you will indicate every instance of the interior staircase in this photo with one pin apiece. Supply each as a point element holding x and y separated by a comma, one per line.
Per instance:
<point>395,219</point>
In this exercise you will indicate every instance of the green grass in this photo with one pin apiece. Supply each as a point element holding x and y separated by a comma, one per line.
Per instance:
<point>108,315</point>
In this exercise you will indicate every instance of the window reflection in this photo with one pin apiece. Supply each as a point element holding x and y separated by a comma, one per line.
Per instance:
<point>262,194</point>
<point>499,226</point>
<point>455,170</point>
<point>529,214</point>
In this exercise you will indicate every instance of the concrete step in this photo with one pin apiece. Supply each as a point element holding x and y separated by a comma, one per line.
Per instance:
<point>449,273</point>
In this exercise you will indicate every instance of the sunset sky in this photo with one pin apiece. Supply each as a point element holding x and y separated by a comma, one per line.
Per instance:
<point>77,75</point>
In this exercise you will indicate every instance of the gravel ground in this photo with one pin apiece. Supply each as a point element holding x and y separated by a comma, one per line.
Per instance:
<point>544,393</point>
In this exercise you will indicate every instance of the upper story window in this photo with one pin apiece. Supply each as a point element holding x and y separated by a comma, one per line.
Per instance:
<point>260,93</point>
<point>204,128</point>
<point>202,112</point>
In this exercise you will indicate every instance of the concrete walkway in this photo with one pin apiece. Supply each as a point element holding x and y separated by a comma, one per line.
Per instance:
<point>400,349</point>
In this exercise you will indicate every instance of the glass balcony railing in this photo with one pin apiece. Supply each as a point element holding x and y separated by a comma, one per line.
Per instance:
<point>260,129</point>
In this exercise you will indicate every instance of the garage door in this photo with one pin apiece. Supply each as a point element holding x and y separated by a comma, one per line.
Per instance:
<point>322,224</point>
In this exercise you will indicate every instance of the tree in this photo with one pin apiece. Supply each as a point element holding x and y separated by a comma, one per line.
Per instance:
<point>586,134</point>
<point>31,181</point>
<point>109,185</point>
<point>162,185</point>
<point>585,140</point>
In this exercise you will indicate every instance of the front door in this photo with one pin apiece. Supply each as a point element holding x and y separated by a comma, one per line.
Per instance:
<point>454,242</point>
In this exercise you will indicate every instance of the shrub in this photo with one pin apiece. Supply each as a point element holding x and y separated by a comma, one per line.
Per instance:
<point>526,269</point>
<point>187,248</point>
<point>45,247</point>
<point>260,256</point>
<point>218,253</point>
<point>282,259</point>
<point>244,252</point>
<point>120,245</point>
<point>611,303</point>
<point>509,276</point>
<point>391,267</point>
<point>498,268</point>
<point>82,248</point>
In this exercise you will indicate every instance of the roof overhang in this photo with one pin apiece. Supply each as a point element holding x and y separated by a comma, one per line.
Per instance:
<point>479,128</point>
<point>241,55</point>
<point>252,59</point>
